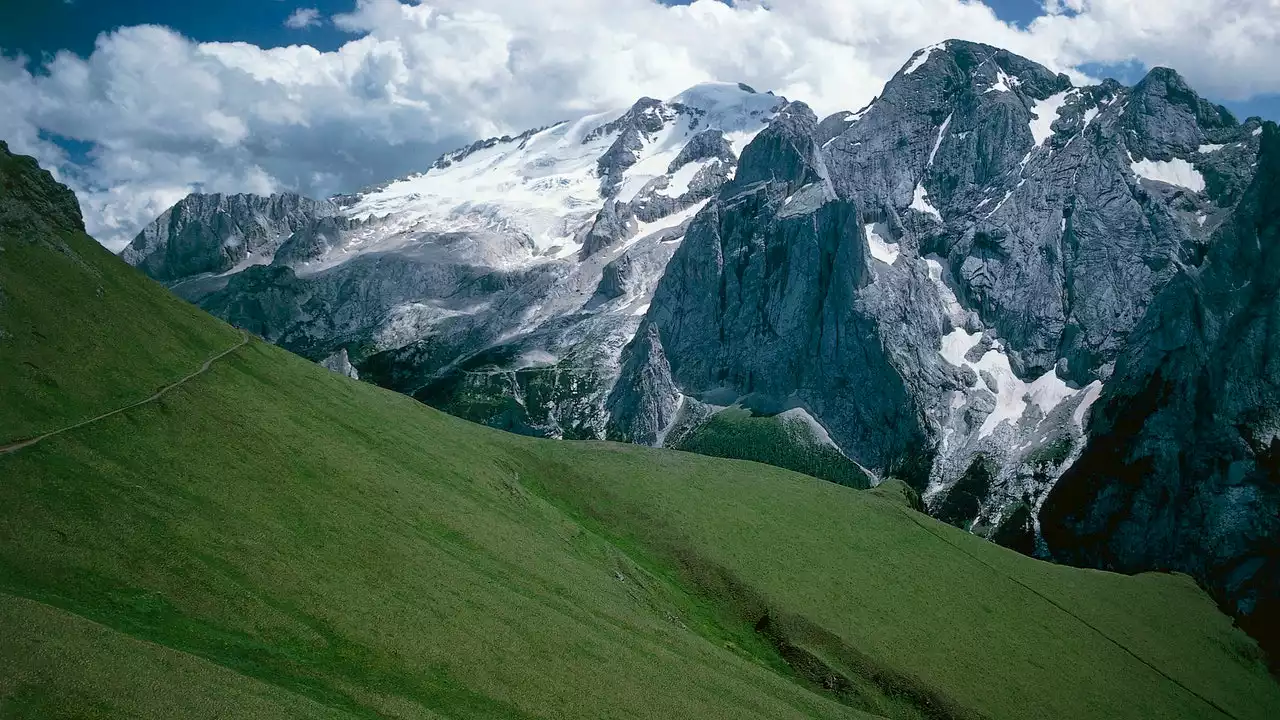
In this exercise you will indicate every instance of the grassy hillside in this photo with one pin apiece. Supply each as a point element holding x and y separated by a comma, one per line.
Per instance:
<point>272,540</point>
<point>79,333</point>
<point>55,664</point>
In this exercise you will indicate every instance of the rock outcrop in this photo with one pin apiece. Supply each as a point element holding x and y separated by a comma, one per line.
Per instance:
<point>32,203</point>
<point>216,233</point>
<point>1182,471</point>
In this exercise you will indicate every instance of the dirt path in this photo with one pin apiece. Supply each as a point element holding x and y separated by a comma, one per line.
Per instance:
<point>14,447</point>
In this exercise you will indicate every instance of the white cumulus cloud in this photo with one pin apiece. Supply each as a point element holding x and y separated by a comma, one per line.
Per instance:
<point>303,18</point>
<point>161,115</point>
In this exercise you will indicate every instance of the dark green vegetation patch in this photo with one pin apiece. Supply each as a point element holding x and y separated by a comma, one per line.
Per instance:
<point>738,434</point>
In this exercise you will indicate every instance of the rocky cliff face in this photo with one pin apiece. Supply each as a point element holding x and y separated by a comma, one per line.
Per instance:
<point>943,284</point>
<point>946,278</point>
<point>32,204</point>
<point>760,305</point>
<point>1183,468</point>
<point>212,234</point>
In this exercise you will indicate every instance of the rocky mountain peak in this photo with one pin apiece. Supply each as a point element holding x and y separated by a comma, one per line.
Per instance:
<point>30,198</point>
<point>454,156</point>
<point>706,108</point>
<point>940,72</point>
<point>1168,119</point>
<point>706,145</point>
<point>216,233</point>
<point>786,152</point>
<point>645,117</point>
<point>1164,86</point>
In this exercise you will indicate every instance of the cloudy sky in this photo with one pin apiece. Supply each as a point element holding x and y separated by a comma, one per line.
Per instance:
<point>135,103</point>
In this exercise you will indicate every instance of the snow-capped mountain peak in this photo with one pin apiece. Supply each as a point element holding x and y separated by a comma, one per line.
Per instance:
<point>519,254</point>
<point>546,185</point>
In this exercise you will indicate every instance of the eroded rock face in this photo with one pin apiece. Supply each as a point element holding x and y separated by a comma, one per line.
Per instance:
<point>947,276</point>
<point>706,145</point>
<point>643,408</point>
<point>762,299</point>
<point>216,233</point>
<point>1183,468</point>
<point>340,363</point>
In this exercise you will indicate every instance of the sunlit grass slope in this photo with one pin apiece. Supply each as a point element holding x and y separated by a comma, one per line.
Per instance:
<point>79,330</point>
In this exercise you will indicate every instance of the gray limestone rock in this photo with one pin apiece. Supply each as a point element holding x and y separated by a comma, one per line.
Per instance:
<point>340,363</point>
<point>1183,468</point>
<point>645,118</point>
<point>617,221</point>
<point>762,299</point>
<point>979,349</point>
<point>215,233</point>
<point>645,403</point>
<point>706,145</point>
<point>313,239</point>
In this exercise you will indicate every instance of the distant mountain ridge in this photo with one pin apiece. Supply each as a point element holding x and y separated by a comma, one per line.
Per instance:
<point>945,283</point>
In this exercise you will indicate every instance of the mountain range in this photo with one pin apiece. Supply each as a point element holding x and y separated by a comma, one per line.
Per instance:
<point>196,524</point>
<point>1047,308</point>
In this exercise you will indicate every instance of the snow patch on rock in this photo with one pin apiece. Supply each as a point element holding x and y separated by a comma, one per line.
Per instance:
<point>669,222</point>
<point>680,181</point>
<point>920,201</point>
<point>950,303</point>
<point>1044,113</point>
<point>881,249</point>
<point>1003,83</point>
<point>1091,395</point>
<point>942,133</point>
<point>921,57</point>
<point>1177,172</point>
<point>1013,395</point>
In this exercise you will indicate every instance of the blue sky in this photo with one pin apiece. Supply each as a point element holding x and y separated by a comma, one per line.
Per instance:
<point>45,26</point>
<point>135,115</point>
